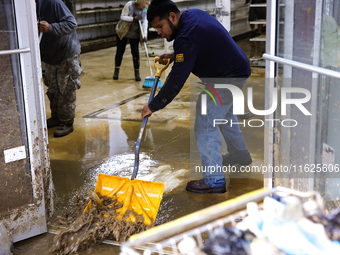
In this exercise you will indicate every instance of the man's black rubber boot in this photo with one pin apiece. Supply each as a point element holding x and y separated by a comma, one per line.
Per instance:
<point>228,160</point>
<point>63,130</point>
<point>52,122</point>
<point>137,75</point>
<point>115,76</point>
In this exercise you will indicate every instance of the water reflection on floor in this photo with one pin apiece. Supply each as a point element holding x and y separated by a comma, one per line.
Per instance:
<point>104,142</point>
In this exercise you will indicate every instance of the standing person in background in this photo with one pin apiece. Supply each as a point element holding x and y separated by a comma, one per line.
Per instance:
<point>203,47</point>
<point>60,50</point>
<point>128,28</point>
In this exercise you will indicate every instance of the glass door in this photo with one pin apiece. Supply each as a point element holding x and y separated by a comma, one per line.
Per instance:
<point>303,65</point>
<point>25,176</point>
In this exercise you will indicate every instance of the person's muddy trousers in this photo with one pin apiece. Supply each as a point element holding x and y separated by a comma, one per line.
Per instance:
<point>62,81</point>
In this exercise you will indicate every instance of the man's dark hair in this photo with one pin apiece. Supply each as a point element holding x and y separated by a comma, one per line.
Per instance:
<point>161,9</point>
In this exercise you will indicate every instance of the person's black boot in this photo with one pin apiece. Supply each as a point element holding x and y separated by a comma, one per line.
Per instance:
<point>200,186</point>
<point>137,75</point>
<point>115,76</point>
<point>63,129</point>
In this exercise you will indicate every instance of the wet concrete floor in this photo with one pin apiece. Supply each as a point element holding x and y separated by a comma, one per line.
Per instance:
<point>104,142</point>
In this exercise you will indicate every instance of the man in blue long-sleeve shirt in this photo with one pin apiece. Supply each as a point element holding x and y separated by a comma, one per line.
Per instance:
<point>205,48</point>
<point>60,50</point>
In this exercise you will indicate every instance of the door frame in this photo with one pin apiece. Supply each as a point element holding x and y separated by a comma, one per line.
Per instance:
<point>272,62</point>
<point>30,220</point>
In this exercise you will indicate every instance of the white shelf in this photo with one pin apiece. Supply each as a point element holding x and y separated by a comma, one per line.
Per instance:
<point>98,10</point>
<point>263,5</point>
<point>97,25</point>
<point>261,38</point>
<point>263,21</point>
<point>258,5</point>
<point>260,21</point>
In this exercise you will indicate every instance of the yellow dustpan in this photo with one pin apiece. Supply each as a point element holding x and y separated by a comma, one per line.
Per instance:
<point>141,197</point>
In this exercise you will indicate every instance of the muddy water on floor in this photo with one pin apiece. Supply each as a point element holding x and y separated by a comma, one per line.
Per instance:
<point>164,158</point>
<point>107,146</point>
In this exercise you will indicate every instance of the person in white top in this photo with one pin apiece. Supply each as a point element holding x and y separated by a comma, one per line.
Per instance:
<point>128,28</point>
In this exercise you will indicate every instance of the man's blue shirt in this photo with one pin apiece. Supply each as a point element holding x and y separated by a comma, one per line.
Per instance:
<point>205,48</point>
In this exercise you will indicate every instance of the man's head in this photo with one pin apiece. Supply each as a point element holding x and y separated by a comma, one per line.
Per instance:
<point>164,16</point>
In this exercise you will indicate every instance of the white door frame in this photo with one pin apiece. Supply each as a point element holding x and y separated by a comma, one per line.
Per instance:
<point>30,220</point>
<point>271,65</point>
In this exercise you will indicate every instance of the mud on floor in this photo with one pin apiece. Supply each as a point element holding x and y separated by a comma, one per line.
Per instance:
<point>95,225</point>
